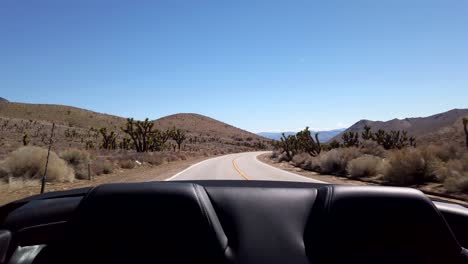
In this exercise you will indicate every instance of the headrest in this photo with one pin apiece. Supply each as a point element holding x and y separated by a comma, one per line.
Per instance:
<point>378,225</point>
<point>137,223</point>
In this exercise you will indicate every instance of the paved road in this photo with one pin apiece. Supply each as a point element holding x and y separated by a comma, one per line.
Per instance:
<point>240,166</point>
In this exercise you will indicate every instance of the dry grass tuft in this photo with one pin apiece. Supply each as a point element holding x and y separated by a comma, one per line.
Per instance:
<point>29,163</point>
<point>364,166</point>
<point>100,167</point>
<point>335,161</point>
<point>79,160</point>
<point>127,164</point>
<point>405,167</point>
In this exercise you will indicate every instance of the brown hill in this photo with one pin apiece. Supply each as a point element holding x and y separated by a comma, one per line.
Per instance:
<point>204,126</point>
<point>73,128</point>
<point>60,114</point>
<point>443,126</point>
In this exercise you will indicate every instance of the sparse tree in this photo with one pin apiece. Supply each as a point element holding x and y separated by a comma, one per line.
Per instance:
<point>307,143</point>
<point>289,145</point>
<point>367,134</point>
<point>350,139</point>
<point>334,144</point>
<point>25,139</point>
<point>178,136</point>
<point>140,133</point>
<point>108,140</point>
<point>159,138</point>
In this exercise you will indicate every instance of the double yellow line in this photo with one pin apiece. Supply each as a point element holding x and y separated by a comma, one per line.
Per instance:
<point>234,164</point>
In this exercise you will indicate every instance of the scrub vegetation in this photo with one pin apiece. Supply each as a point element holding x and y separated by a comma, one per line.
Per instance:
<point>382,157</point>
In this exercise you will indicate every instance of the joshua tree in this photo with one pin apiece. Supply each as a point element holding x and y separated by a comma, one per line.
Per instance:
<point>350,139</point>
<point>108,140</point>
<point>25,139</point>
<point>139,132</point>
<point>367,134</point>
<point>159,138</point>
<point>178,136</point>
<point>465,124</point>
<point>289,145</point>
<point>125,144</point>
<point>307,143</point>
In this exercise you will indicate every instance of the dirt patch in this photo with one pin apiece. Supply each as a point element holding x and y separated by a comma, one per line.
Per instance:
<point>17,190</point>
<point>433,190</point>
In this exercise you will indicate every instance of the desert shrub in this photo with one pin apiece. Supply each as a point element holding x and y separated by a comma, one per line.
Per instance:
<point>371,147</point>
<point>79,160</point>
<point>436,169</point>
<point>299,159</point>
<point>364,166</point>
<point>274,155</point>
<point>455,174</point>
<point>283,157</point>
<point>406,167</point>
<point>311,164</point>
<point>127,164</point>
<point>3,173</point>
<point>458,183</point>
<point>99,167</point>
<point>171,157</point>
<point>335,161</point>
<point>29,163</point>
<point>443,152</point>
<point>155,158</point>
<point>182,156</point>
<point>306,162</point>
<point>75,156</point>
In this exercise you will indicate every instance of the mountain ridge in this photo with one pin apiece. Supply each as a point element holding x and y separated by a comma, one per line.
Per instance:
<point>446,124</point>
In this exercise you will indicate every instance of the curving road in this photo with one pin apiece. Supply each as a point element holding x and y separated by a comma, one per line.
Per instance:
<point>239,166</point>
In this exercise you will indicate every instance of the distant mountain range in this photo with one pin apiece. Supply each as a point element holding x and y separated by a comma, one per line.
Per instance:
<point>324,136</point>
<point>443,127</point>
<point>3,100</point>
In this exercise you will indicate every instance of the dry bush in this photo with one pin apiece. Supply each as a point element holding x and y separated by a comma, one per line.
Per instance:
<point>182,156</point>
<point>79,160</point>
<point>283,157</point>
<point>335,161</point>
<point>75,156</point>
<point>311,164</point>
<point>126,164</point>
<point>155,158</point>
<point>299,159</point>
<point>306,162</point>
<point>444,152</point>
<point>3,173</point>
<point>455,174</point>
<point>100,166</point>
<point>29,163</point>
<point>364,166</point>
<point>406,167</point>
<point>274,155</point>
<point>371,147</point>
<point>170,157</point>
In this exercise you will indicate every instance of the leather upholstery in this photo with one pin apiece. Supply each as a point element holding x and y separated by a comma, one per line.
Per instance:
<point>264,225</point>
<point>141,223</point>
<point>379,225</point>
<point>254,222</point>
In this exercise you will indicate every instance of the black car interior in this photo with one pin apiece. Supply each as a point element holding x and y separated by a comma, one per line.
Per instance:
<point>233,222</point>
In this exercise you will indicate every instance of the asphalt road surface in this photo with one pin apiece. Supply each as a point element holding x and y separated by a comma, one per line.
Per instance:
<point>240,166</point>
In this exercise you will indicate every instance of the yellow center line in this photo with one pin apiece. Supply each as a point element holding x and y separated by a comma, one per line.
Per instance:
<point>238,170</point>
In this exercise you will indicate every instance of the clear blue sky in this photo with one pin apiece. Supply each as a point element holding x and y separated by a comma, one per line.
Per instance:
<point>259,65</point>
